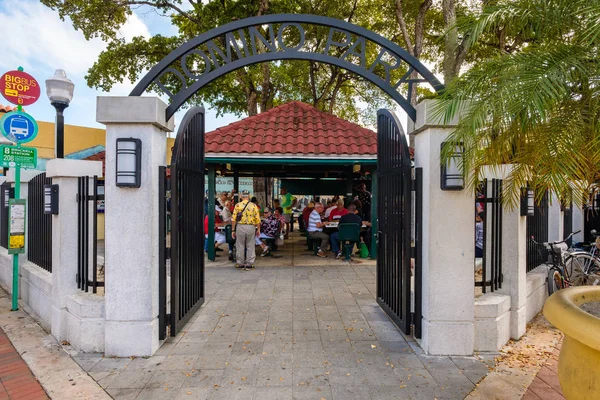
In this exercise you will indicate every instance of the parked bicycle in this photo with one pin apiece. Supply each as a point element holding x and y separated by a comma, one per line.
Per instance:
<point>570,268</point>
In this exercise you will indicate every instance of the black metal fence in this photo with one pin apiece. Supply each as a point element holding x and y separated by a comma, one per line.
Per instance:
<point>568,222</point>
<point>591,219</point>
<point>87,234</point>
<point>537,226</point>
<point>490,200</point>
<point>39,225</point>
<point>6,192</point>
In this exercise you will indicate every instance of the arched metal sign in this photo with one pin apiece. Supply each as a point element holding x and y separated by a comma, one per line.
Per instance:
<point>284,37</point>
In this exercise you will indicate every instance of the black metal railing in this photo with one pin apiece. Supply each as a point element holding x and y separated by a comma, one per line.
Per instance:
<point>591,220</point>
<point>568,223</point>
<point>537,226</point>
<point>87,234</point>
<point>39,225</point>
<point>491,266</point>
<point>6,192</point>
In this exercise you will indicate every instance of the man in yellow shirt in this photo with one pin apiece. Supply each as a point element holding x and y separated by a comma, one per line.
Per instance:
<point>245,226</point>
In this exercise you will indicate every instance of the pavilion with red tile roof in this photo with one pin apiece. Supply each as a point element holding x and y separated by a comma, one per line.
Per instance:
<point>292,140</point>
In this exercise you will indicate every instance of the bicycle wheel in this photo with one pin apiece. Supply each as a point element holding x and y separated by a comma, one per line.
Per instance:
<point>555,281</point>
<point>582,269</point>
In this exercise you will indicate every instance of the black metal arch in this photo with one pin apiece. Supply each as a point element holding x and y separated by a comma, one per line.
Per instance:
<point>288,53</point>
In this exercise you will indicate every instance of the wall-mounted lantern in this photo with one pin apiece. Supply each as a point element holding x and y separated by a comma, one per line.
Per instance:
<point>596,202</point>
<point>452,178</point>
<point>51,199</point>
<point>129,162</point>
<point>527,202</point>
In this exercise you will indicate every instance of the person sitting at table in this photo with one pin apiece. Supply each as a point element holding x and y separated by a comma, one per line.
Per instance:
<point>330,207</point>
<point>219,236</point>
<point>359,207</point>
<point>314,230</point>
<point>303,220</point>
<point>339,211</point>
<point>349,218</point>
<point>270,227</point>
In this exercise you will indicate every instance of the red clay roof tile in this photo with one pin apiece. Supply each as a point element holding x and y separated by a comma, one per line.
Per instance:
<point>293,128</point>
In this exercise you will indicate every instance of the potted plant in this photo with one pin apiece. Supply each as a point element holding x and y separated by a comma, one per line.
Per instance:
<point>579,360</point>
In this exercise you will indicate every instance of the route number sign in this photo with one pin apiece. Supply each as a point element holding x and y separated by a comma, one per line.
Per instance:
<point>10,156</point>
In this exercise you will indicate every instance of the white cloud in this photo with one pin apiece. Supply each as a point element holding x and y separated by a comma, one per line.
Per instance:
<point>35,38</point>
<point>38,36</point>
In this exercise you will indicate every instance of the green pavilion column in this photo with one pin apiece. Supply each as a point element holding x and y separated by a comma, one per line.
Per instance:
<point>211,212</point>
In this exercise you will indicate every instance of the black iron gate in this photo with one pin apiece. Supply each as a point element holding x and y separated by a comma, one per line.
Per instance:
<point>187,228</point>
<point>537,226</point>
<point>394,215</point>
<point>39,225</point>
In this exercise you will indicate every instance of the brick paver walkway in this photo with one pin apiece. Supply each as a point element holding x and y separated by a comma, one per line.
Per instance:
<point>16,380</point>
<point>546,386</point>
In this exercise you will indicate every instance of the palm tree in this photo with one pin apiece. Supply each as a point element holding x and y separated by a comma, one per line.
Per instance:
<point>536,105</point>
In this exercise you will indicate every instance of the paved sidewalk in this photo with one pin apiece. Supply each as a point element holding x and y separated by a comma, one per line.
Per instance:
<point>58,374</point>
<point>288,333</point>
<point>16,380</point>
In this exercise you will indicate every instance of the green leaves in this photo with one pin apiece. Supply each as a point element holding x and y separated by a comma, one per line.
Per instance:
<point>539,106</point>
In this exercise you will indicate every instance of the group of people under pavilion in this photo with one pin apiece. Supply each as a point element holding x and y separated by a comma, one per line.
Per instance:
<point>308,151</point>
<point>251,224</point>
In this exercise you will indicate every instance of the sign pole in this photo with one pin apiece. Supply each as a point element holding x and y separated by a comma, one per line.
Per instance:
<point>19,127</point>
<point>15,291</point>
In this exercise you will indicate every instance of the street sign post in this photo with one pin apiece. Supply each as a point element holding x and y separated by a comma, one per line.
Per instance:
<point>19,127</point>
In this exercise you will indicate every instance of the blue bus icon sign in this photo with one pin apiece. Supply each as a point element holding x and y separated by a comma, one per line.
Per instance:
<point>18,127</point>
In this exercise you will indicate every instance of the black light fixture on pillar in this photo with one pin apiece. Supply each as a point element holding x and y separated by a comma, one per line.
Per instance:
<point>129,162</point>
<point>527,202</point>
<point>60,90</point>
<point>452,178</point>
<point>596,202</point>
<point>51,199</point>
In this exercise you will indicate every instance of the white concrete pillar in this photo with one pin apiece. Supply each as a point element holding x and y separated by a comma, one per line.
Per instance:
<point>131,223</point>
<point>64,173</point>
<point>555,219</point>
<point>514,269</point>
<point>448,246</point>
<point>514,257</point>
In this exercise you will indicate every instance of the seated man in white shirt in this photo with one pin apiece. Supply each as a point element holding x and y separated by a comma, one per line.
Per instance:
<point>314,229</point>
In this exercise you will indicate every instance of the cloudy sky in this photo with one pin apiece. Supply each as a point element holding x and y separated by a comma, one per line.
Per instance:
<point>35,38</point>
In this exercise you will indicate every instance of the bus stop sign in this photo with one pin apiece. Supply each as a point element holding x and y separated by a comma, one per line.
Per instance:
<point>18,127</point>
<point>19,88</point>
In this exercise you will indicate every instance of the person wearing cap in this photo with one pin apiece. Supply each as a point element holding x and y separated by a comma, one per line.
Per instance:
<point>288,201</point>
<point>245,226</point>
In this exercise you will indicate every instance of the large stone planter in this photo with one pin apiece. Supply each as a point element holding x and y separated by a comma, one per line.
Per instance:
<point>579,361</point>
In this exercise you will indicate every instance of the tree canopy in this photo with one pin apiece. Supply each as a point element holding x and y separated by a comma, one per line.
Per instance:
<point>535,104</point>
<point>418,26</point>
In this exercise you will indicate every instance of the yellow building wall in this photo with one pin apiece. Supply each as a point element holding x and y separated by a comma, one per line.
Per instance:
<point>77,138</point>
